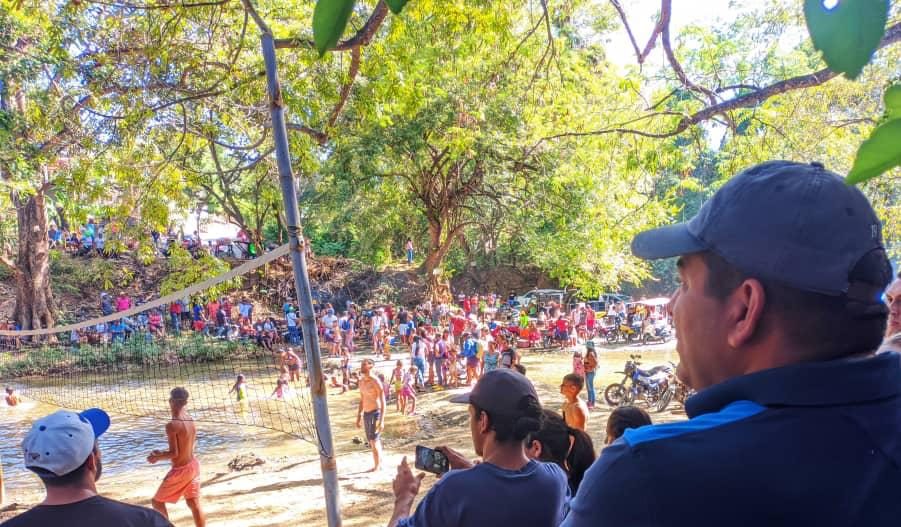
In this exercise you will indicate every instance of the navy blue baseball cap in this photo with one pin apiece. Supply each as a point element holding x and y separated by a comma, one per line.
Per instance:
<point>797,224</point>
<point>499,392</point>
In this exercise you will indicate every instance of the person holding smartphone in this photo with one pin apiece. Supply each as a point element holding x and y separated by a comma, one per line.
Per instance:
<point>503,411</point>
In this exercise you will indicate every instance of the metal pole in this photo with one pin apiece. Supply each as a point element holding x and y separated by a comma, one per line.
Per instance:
<point>302,284</point>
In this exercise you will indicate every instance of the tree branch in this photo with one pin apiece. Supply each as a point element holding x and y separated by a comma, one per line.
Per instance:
<point>652,41</point>
<point>892,36</point>
<point>665,13</point>
<point>319,136</point>
<point>355,55</point>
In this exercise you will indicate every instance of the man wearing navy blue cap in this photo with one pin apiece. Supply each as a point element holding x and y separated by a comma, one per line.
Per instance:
<point>62,450</point>
<point>779,312</point>
<point>507,488</point>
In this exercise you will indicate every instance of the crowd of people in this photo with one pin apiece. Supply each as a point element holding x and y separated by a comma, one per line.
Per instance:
<point>787,331</point>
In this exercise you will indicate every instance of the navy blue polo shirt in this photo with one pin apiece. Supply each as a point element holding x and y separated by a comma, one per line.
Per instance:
<point>809,444</point>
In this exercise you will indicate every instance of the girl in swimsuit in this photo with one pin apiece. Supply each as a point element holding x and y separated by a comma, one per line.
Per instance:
<point>408,393</point>
<point>240,388</point>
<point>397,378</point>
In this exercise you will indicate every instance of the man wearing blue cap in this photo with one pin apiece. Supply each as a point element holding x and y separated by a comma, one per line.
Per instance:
<point>796,421</point>
<point>507,488</point>
<point>62,450</point>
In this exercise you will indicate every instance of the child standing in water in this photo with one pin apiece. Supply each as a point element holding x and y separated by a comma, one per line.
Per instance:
<point>240,389</point>
<point>282,389</point>
<point>11,398</point>
<point>397,379</point>
<point>408,392</point>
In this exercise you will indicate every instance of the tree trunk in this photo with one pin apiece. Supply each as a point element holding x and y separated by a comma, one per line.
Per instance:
<point>439,289</point>
<point>34,298</point>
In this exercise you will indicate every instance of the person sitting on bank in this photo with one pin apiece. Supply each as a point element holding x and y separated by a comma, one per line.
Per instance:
<point>62,449</point>
<point>507,488</point>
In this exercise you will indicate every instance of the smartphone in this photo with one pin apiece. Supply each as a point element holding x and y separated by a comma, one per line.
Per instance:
<point>431,460</point>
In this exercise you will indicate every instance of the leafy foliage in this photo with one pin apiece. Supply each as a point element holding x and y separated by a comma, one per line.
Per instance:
<point>329,20</point>
<point>882,151</point>
<point>186,270</point>
<point>848,32</point>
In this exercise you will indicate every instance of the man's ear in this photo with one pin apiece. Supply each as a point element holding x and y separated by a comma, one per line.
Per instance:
<point>534,449</point>
<point>484,424</point>
<point>745,312</point>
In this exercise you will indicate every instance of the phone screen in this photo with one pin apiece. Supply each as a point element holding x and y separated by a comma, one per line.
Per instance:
<point>431,460</point>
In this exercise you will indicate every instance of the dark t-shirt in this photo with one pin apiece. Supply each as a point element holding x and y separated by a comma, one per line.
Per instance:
<point>96,511</point>
<point>534,496</point>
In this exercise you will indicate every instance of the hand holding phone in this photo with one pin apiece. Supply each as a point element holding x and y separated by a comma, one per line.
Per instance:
<point>431,460</point>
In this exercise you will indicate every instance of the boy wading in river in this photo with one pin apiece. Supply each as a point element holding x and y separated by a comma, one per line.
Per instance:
<point>184,478</point>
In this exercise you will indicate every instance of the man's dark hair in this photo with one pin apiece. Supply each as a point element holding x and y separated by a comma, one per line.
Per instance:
<point>575,379</point>
<point>179,394</point>
<point>822,327</point>
<point>66,480</point>
<point>566,446</point>
<point>624,417</point>
<point>516,426</point>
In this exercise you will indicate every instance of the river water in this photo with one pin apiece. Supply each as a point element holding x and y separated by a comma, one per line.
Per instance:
<point>139,409</point>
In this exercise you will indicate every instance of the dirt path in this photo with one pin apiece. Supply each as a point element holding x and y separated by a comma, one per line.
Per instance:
<point>287,489</point>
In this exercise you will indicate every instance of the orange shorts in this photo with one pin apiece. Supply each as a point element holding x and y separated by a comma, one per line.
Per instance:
<point>183,481</point>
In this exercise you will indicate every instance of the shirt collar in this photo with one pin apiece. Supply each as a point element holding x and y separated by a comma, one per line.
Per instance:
<point>828,383</point>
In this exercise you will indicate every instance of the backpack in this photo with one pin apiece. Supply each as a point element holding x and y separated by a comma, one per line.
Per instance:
<point>470,348</point>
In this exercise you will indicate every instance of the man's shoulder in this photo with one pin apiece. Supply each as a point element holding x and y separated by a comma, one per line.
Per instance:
<point>97,511</point>
<point>487,472</point>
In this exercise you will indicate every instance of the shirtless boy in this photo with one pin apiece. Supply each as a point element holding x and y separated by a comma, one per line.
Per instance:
<point>11,398</point>
<point>371,412</point>
<point>575,410</point>
<point>184,478</point>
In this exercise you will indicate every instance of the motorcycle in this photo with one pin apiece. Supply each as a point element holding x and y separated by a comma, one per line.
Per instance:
<point>654,331</point>
<point>654,385</point>
<point>622,330</point>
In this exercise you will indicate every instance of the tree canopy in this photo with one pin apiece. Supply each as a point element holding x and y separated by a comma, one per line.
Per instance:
<point>488,132</point>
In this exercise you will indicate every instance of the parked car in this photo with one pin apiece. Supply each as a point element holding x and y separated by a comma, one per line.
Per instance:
<point>543,295</point>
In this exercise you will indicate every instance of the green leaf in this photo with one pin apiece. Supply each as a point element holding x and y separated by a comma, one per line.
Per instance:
<point>847,34</point>
<point>893,102</point>
<point>329,20</point>
<point>879,153</point>
<point>396,5</point>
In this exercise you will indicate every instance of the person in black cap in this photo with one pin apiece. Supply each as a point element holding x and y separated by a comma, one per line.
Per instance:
<point>507,488</point>
<point>779,312</point>
<point>62,450</point>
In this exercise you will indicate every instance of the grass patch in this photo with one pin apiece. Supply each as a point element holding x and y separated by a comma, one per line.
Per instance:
<point>64,359</point>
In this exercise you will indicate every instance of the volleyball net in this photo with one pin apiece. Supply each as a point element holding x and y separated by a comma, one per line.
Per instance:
<point>232,351</point>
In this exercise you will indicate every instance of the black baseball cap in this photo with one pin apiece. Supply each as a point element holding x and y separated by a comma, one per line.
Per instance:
<point>797,224</point>
<point>499,392</point>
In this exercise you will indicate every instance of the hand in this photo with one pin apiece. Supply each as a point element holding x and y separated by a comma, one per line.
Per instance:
<point>359,421</point>
<point>381,426</point>
<point>153,457</point>
<point>406,485</point>
<point>455,459</point>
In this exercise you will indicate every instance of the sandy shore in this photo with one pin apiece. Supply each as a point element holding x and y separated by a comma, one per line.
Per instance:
<point>287,489</point>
